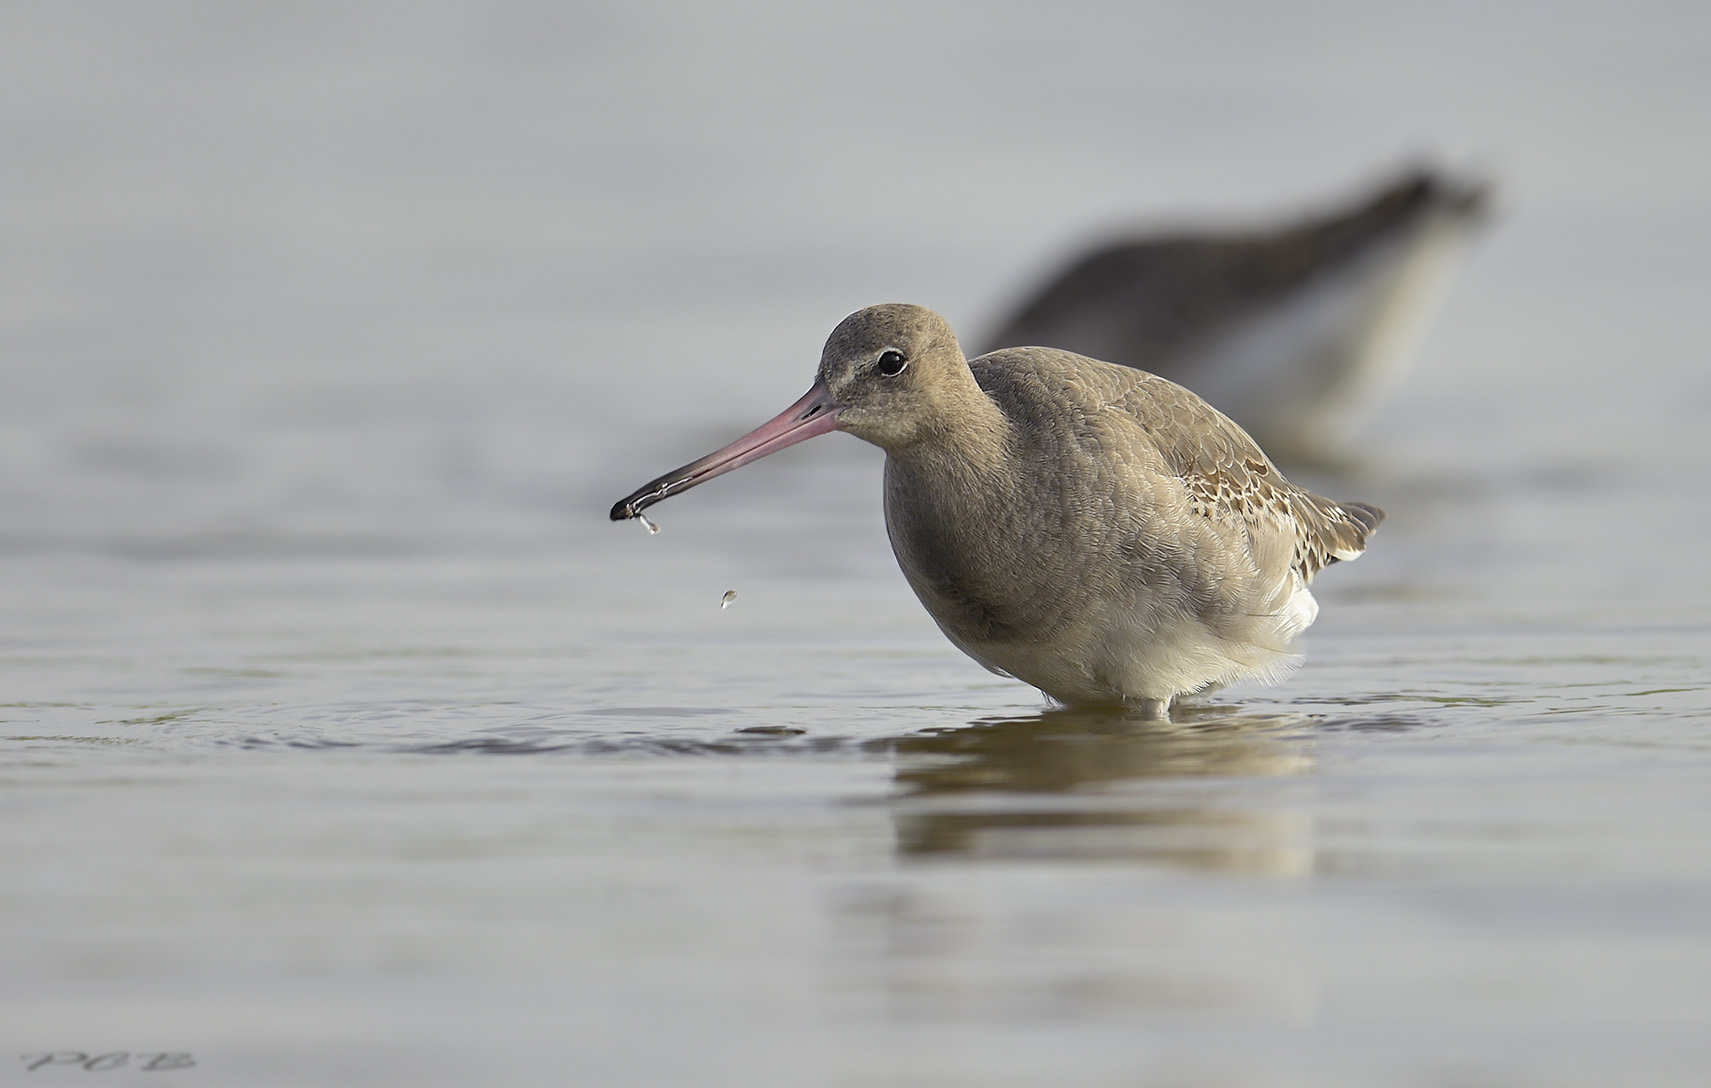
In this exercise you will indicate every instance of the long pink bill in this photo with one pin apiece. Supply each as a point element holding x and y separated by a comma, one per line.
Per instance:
<point>815,414</point>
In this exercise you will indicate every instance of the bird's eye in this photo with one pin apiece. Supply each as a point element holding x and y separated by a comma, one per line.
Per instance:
<point>890,363</point>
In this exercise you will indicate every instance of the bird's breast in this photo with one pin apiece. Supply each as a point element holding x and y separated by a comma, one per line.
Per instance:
<point>993,561</point>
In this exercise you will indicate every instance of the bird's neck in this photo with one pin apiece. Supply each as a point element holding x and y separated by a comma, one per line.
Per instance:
<point>970,433</point>
<point>964,454</point>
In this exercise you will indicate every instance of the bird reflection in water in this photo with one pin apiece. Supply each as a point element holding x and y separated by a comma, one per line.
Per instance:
<point>1208,792</point>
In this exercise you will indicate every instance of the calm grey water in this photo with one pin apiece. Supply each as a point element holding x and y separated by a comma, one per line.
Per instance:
<point>345,742</point>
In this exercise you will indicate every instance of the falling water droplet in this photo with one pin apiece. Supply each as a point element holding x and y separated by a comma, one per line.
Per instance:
<point>646,524</point>
<point>725,602</point>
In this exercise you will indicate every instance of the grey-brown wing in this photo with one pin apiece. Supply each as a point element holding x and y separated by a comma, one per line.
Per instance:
<point>1227,475</point>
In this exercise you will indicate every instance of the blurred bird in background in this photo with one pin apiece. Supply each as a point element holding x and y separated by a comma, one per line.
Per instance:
<point>1294,331</point>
